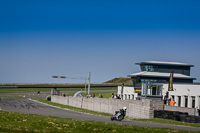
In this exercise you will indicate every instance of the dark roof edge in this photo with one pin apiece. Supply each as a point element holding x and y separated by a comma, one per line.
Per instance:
<point>159,76</point>
<point>150,63</point>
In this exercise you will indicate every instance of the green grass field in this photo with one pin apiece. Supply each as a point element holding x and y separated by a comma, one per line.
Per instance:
<point>18,123</point>
<point>23,90</point>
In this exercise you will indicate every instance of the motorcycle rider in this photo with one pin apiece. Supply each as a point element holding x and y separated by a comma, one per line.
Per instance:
<point>122,112</point>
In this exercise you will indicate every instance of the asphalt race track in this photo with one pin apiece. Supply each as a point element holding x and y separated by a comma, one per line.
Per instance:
<point>24,105</point>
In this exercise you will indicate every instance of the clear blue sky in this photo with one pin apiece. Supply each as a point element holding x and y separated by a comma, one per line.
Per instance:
<point>39,39</point>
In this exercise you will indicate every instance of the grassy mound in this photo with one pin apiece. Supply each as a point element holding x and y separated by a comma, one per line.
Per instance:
<point>119,81</point>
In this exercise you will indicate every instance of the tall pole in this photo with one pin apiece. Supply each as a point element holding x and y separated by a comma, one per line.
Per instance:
<point>89,83</point>
<point>85,85</point>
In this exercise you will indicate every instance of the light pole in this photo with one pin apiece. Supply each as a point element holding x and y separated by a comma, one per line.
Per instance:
<point>89,78</point>
<point>78,78</point>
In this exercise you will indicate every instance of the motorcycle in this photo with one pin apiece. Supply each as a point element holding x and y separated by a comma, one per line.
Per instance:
<point>118,115</point>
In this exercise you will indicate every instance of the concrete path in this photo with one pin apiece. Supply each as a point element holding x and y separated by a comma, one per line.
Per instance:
<point>32,107</point>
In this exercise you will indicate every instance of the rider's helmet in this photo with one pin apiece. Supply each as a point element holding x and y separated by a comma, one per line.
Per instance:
<point>124,108</point>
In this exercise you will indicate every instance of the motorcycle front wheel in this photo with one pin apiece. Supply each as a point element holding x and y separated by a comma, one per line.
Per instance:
<point>112,118</point>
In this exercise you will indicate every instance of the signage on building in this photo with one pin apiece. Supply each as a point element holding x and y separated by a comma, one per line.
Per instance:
<point>170,88</point>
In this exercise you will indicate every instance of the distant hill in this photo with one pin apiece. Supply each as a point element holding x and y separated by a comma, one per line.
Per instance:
<point>126,81</point>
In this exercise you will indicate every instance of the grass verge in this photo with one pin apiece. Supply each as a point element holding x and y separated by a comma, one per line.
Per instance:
<point>165,121</point>
<point>17,123</point>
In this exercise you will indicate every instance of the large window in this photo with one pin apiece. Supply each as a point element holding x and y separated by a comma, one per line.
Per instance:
<point>186,101</point>
<point>150,68</point>
<point>179,101</point>
<point>137,82</point>
<point>193,102</point>
<point>142,68</point>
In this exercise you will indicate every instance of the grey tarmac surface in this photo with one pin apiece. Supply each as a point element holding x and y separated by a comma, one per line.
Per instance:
<point>31,107</point>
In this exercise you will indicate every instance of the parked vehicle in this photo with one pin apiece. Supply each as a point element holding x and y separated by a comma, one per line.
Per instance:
<point>119,115</point>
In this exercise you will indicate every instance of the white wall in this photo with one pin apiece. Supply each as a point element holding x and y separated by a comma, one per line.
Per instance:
<point>128,92</point>
<point>182,90</point>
